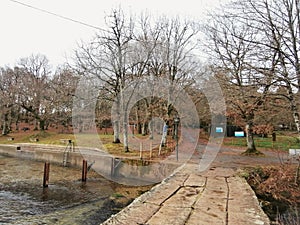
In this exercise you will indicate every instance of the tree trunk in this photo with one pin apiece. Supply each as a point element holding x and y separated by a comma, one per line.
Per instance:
<point>35,124</point>
<point>42,125</point>
<point>297,123</point>
<point>250,140</point>
<point>125,135</point>
<point>138,120</point>
<point>5,129</point>
<point>139,128</point>
<point>164,135</point>
<point>151,129</point>
<point>17,125</point>
<point>144,128</point>
<point>251,149</point>
<point>116,128</point>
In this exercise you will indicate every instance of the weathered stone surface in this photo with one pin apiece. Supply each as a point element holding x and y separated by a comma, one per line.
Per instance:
<point>243,207</point>
<point>191,198</point>
<point>206,215</point>
<point>138,213</point>
<point>170,216</point>
<point>184,198</point>
<point>163,192</point>
<point>195,180</point>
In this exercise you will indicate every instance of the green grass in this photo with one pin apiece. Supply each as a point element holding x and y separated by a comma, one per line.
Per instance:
<point>282,142</point>
<point>117,195</point>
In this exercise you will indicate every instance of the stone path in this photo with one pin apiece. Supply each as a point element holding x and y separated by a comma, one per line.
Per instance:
<point>189,197</point>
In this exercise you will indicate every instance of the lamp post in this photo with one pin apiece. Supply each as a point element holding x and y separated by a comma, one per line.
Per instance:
<point>176,122</point>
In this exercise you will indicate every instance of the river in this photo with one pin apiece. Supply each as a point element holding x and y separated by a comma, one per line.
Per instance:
<point>67,200</point>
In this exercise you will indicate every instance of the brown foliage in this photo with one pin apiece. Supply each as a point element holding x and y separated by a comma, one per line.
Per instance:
<point>277,183</point>
<point>263,129</point>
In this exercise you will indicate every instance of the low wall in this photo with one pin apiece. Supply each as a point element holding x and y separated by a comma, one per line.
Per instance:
<point>49,153</point>
<point>128,171</point>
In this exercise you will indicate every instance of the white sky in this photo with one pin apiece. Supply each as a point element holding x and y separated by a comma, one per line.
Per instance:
<point>26,31</point>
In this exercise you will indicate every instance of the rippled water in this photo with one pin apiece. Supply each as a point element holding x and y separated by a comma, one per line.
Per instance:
<point>67,200</point>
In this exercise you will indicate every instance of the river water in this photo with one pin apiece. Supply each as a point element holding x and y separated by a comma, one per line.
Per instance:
<point>66,200</point>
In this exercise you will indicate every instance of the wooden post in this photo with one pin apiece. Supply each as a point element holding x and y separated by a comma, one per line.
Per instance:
<point>112,172</point>
<point>84,170</point>
<point>273,136</point>
<point>141,150</point>
<point>151,148</point>
<point>159,149</point>
<point>46,174</point>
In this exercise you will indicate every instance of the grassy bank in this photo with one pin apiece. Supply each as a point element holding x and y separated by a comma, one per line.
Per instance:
<point>283,142</point>
<point>100,140</point>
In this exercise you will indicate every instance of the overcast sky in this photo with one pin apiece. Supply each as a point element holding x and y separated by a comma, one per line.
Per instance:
<point>26,31</point>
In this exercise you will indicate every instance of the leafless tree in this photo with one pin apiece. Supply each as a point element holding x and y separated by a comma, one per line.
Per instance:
<point>34,86</point>
<point>7,98</point>
<point>173,58</point>
<point>278,25</point>
<point>281,22</point>
<point>106,58</point>
<point>61,93</point>
<point>131,49</point>
<point>244,68</point>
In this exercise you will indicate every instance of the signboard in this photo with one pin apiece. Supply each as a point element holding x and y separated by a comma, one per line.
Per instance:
<point>239,134</point>
<point>219,129</point>
<point>294,152</point>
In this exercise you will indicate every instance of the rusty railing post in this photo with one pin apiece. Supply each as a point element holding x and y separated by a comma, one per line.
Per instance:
<point>84,170</point>
<point>46,174</point>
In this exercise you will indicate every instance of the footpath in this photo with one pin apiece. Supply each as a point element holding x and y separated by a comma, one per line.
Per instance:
<point>188,197</point>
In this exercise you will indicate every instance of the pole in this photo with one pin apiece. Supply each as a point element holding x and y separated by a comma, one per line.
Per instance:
<point>112,171</point>
<point>159,149</point>
<point>176,121</point>
<point>84,170</point>
<point>46,174</point>
<point>141,150</point>
<point>177,142</point>
<point>151,148</point>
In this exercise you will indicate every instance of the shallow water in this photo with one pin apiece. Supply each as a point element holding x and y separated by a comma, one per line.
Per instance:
<point>66,200</point>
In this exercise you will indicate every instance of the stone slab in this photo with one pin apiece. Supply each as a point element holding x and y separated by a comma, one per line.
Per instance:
<point>184,198</point>
<point>206,216</point>
<point>138,213</point>
<point>243,207</point>
<point>170,216</point>
<point>195,180</point>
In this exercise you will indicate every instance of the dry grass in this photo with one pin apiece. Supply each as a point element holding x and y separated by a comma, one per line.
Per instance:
<point>100,140</point>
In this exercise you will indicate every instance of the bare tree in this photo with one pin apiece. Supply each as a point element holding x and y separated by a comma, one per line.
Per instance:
<point>125,52</point>
<point>172,59</point>
<point>245,70</point>
<point>282,23</point>
<point>7,98</point>
<point>106,58</point>
<point>277,25</point>
<point>34,87</point>
<point>61,93</point>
